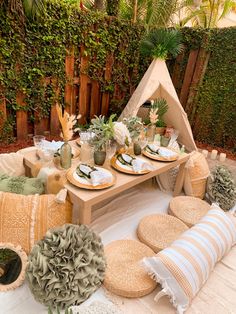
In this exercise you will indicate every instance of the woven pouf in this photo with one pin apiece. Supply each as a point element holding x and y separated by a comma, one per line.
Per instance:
<point>125,275</point>
<point>188,209</point>
<point>159,231</point>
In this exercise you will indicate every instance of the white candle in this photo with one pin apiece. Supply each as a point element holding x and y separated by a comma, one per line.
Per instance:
<point>222,157</point>
<point>205,152</point>
<point>214,153</point>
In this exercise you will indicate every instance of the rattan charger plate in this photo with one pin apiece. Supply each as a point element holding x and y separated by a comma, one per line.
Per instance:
<point>125,275</point>
<point>71,178</point>
<point>116,166</point>
<point>159,157</point>
<point>160,230</point>
<point>188,209</point>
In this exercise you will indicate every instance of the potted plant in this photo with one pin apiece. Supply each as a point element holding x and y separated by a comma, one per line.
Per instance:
<point>135,127</point>
<point>162,107</point>
<point>103,132</point>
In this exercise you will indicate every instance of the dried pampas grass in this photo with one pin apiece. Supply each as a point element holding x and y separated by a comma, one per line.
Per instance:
<point>67,123</point>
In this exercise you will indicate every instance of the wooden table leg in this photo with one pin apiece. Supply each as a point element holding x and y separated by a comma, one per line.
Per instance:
<point>85,213</point>
<point>179,180</point>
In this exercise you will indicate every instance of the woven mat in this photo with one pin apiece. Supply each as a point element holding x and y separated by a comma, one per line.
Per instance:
<point>125,275</point>
<point>188,209</point>
<point>159,231</point>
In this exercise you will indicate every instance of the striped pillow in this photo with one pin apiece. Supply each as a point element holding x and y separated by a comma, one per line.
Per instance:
<point>183,268</point>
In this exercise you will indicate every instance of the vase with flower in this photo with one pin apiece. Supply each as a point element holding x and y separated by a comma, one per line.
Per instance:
<point>67,124</point>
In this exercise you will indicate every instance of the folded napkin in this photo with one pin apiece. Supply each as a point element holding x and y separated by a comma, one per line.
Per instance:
<point>164,152</point>
<point>139,165</point>
<point>51,146</point>
<point>154,147</point>
<point>100,177</point>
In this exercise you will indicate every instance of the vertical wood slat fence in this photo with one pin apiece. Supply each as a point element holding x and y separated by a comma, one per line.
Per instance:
<point>83,95</point>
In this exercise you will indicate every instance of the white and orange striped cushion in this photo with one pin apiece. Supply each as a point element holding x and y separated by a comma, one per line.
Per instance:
<point>183,268</point>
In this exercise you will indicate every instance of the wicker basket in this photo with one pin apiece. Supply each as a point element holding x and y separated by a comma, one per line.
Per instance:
<point>25,219</point>
<point>188,209</point>
<point>197,172</point>
<point>159,231</point>
<point>125,275</point>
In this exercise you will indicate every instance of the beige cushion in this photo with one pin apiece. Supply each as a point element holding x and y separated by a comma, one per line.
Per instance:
<point>159,231</point>
<point>25,219</point>
<point>124,274</point>
<point>188,209</point>
<point>12,164</point>
<point>183,268</point>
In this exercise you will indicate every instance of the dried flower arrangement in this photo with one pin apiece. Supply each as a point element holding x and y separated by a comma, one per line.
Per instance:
<point>67,123</point>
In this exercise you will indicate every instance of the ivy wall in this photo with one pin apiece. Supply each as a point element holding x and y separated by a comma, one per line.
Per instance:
<point>52,59</point>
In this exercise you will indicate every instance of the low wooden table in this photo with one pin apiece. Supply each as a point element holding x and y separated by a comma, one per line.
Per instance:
<point>83,200</point>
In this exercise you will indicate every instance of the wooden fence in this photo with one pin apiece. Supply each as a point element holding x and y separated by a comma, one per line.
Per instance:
<point>84,95</point>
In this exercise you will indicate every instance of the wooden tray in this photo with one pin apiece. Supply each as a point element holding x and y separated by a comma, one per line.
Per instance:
<point>158,157</point>
<point>121,169</point>
<point>81,185</point>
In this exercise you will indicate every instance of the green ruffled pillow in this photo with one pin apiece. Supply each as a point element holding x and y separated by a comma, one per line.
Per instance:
<point>21,185</point>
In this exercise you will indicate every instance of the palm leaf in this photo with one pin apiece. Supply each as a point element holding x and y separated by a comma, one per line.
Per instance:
<point>161,42</point>
<point>34,8</point>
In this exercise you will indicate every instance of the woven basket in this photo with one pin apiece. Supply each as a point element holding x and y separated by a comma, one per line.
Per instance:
<point>159,231</point>
<point>188,209</point>
<point>197,172</point>
<point>125,275</point>
<point>25,219</point>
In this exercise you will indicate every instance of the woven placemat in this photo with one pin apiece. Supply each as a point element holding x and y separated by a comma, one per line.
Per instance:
<point>125,275</point>
<point>160,230</point>
<point>188,209</point>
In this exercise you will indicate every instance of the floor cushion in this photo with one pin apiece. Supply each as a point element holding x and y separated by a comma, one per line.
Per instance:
<point>12,164</point>
<point>21,185</point>
<point>183,268</point>
<point>25,219</point>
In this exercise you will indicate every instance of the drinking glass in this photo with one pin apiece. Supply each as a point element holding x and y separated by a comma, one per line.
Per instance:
<point>38,139</point>
<point>110,149</point>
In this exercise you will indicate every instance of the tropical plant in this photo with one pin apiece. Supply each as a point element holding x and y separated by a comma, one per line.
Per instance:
<point>159,43</point>
<point>152,13</point>
<point>206,13</point>
<point>30,8</point>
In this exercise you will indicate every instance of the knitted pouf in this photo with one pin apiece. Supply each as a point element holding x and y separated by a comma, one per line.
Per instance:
<point>66,267</point>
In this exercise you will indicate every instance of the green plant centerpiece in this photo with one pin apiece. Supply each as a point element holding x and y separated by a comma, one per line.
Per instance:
<point>135,127</point>
<point>103,132</point>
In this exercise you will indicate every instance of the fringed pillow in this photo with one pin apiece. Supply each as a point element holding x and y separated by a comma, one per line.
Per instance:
<point>183,268</point>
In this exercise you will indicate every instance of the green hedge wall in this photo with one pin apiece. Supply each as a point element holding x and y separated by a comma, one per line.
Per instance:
<point>31,52</point>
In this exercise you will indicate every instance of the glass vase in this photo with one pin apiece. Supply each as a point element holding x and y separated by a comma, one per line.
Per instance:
<point>65,155</point>
<point>151,132</point>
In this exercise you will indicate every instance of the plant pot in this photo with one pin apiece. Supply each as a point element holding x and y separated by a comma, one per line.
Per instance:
<point>165,141</point>
<point>99,157</point>
<point>160,130</point>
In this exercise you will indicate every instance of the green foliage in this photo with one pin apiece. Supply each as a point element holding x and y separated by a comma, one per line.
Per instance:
<point>27,59</point>
<point>221,187</point>
<point>161,42</point>
<point>112,7</point>
<point>103,130</point>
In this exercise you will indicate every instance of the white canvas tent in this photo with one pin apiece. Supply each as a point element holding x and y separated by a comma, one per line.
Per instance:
<point>157,83</point>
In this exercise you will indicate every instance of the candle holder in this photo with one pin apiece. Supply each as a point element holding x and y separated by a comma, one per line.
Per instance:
<point>214,153</point>
<point>205,152</point>
<point>222,157</point>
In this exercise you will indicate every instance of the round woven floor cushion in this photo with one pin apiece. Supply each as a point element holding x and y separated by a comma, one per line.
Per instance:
<point>160,230</point>
<point>125,275</point>
<point>188,209</point>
